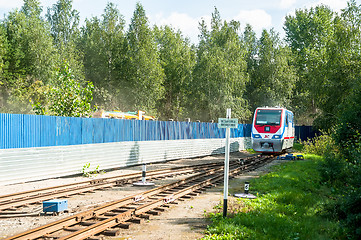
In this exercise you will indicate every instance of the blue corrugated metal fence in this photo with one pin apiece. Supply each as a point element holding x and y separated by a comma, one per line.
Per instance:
<point>304,133</point>
<point>23,131</point>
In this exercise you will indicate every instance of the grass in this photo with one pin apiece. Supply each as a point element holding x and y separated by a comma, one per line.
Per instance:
<point>289,206</point>
<point>298,147</point>
<point>251,151</point>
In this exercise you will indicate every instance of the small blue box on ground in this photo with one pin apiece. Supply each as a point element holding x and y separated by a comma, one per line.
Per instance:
<point>55,205</point>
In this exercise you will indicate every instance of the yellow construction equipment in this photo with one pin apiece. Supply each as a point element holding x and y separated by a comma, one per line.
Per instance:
<point>139,115</point>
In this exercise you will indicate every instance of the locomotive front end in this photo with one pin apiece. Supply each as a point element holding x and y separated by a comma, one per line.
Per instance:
<point>267,130</point>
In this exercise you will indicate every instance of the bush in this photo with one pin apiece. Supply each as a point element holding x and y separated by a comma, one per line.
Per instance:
<point>332,170</point>
<point>341,169</point>
<point>319,145</point>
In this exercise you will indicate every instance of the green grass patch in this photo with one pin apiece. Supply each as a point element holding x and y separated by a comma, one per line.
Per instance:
<point>298,147</point>
<point>251,151</point>
<point>289,206</point>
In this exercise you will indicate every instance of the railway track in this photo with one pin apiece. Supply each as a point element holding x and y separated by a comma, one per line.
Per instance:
<point>13,201</point>
<point>109,218</point>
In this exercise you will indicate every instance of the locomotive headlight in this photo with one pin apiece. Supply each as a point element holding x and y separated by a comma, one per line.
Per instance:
<point>276,137</point>
<point>256,136</point>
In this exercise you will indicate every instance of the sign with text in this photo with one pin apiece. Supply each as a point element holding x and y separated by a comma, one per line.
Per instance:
<point>227,122</point>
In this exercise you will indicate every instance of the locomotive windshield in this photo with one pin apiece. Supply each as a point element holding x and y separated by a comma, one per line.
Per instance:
<point>268,117</point>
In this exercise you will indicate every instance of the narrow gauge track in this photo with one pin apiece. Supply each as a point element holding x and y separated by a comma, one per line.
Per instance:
<point>107,219</point>
<point>37,196</point>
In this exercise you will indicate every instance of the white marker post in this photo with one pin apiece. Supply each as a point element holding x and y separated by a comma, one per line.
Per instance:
<point>227,123</point>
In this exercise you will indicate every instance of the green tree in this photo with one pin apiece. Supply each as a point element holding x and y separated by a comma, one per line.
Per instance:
<point>250,42</point>
<point>272,78</point>
<point>308,34</point>
<point>142,74</point>
<point>343,64</point>
<point>3,65</point>
<point>66,97</point>
<point>220,77</point>
<point>177,58</point>
<point>101,44</point>
<point>64,23</point>
<point>30,57</point>
<point>31,48</point>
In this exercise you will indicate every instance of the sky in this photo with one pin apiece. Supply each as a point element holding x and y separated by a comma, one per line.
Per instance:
<point>186,14</point>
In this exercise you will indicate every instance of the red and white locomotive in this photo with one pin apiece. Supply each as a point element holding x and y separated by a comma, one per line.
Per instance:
<point>273,130</point>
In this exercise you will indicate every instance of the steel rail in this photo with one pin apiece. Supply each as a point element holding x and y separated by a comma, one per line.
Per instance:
<point>7,197</point>
<point>71,220</point>
<point>38,195</point>
<point>122,217</point>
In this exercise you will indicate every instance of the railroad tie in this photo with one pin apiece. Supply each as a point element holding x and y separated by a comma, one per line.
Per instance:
<point>111,232</point>
<point>136,220</point>
<point>73,229</point>
<point>152,212</point>
<point>145,216</point>
<point>95,238</point>
<point>161,209</point>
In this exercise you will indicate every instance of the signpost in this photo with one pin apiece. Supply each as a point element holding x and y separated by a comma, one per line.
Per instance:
<point>227,123</point>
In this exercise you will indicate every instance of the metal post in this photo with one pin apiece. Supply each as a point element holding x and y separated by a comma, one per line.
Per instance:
<point>246,187</point>
<point>140,115</point>
<point>144,169</point>
<point>226,167</point>
<point>144,180</point>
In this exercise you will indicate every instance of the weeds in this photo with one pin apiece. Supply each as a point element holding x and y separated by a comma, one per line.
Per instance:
<point>251,151</point>
<point>319,145</point>
<point>90,173</point>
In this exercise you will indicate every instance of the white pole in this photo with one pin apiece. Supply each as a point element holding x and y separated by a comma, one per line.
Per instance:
<point>226,167</point>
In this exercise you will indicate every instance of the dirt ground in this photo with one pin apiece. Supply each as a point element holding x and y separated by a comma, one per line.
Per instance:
<point>185,220</point>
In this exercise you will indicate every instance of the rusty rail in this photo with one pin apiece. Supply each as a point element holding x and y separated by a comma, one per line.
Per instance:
<point>120,213</point>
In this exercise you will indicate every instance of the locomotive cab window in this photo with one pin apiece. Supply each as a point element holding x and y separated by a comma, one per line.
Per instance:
<point>268,117</point>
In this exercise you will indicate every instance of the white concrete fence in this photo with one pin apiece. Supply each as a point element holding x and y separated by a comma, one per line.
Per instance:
<point>30,164</point>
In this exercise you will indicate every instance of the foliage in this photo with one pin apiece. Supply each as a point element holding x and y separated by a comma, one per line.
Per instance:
<point>100,42</point>
<point>308,33</point>
<point>251,151</point>
<point>90,173</point>
<point>319,145</point>
<point>177,58</point>
<point>4,48</point>
<point>314,72</point>
<point>341,168</point>
<point>299,147</point>
<point>272,76</point>
<point>67,98</point>
<point>290,200</point>
<point>143,76</point>
<point>220,76</point>
<point>64,28</point>
<point>347,180</point>
<point>31,51</point>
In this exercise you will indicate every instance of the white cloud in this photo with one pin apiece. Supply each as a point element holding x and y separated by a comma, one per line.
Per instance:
<point>257,18</point>
<point>335,5</point>
<point>182,21</point>
<point>284,4</point>
<point>11,4</point>
<point>188,25</point>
